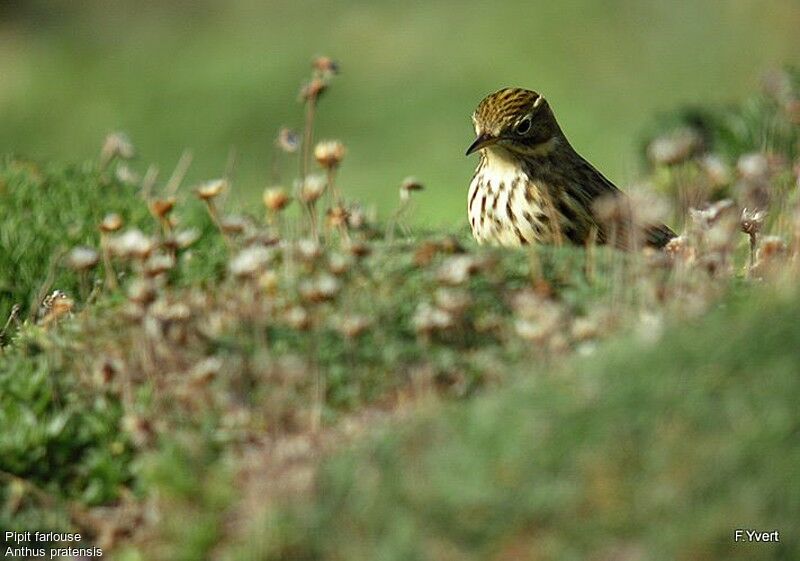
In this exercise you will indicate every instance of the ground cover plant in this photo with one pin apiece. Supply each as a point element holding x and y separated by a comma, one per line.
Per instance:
<point>182,378</point>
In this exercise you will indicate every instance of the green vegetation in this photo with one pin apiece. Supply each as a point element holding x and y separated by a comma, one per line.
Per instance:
<point>655,451</point>
<point>184,380</point>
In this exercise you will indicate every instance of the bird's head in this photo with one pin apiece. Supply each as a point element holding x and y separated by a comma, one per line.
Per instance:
<point>519,121</point>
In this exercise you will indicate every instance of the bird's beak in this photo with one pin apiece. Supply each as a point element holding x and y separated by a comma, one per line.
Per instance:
<point>482,141</point>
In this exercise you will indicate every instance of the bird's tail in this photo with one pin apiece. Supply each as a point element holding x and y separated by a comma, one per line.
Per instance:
<point>658,236</point>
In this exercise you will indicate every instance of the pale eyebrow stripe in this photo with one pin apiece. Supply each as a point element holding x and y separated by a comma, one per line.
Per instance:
<point>538,101</point>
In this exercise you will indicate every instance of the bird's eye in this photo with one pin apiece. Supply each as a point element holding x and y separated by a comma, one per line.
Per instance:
<point>524,126</point>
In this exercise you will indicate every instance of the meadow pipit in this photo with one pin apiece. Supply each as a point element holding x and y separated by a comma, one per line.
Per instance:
<point>531,186</point>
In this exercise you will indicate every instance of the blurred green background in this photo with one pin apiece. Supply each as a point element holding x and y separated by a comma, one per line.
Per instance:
<point>211,75</point>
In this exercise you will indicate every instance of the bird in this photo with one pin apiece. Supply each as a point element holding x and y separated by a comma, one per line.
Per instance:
<point>532,187</point>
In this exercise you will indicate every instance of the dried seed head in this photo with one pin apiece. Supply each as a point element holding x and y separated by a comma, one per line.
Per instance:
<point>297,318</point>
<point>212,189</point>
<point>111,223</point>
<point>131,244</point>
<point>170,311</point>
<point>160,208</point>
<point>453,300</point>
<point>771,256</point>
<point>312,188</point>
<point>125,174</point>
<point>716,169</point>
<point>206,370</point>
<point>428,319</point>
<point>308,250</point>
<point>752,221</point>
<point>356,219</point>
<point>250,261</point>
<point>117,145</point>
<point>675,147</point>
<point>288,140</point>
<point>233,224</point>
<point>321,289</point>
<point>83,258</point>
<point>337,216</point>
<point>276,199</point>
<point>338,263</point>
<point>141,292</point>
<point>329,153</point>
<point>705,218</point>
<point>158,264</point>
<point>326,65</point>
<point>457,269</point>
<point>408,185</point>
<point>753,167</point>
<point>186,238</point>
<point>352,325</point>
<point>268,281</point>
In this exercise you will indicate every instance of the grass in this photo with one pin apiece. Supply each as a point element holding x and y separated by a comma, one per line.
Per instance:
<point>650,451</point>
<point>211,382</point>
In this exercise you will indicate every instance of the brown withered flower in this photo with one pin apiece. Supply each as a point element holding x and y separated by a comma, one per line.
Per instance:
<point>329,153</point>
<point>276,199</point>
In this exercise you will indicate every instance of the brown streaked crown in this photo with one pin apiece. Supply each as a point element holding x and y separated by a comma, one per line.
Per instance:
<point>500,110</point>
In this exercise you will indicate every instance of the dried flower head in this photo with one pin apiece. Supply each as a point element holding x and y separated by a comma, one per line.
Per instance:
<point>250,261</point>
<point>276,199</point>
<point>186,238</point>
<point>705,218</point>
<point>131,244</point>
<point>111,223</point>
<point>675,147</point>
<point>297,318</point>
<point>457,269</point>
<point>125,174</point>
<point>312,188</point>
<point>452,300</point>
<point>234,224</point>
<point>337,216</point>
<point>329,153</point>
<point>160,208</point>
<point>716,169</point>
<point>356,218</point>
<point>771,257</point>
<point>117,145</point>
<point>320,289</point>
<point>428,319</point>
<point>308,250</point>
<point>142,292</point>
<point>753,166</point>
<point>325,65</point>
<point>752,221</point>
<point>339,263</point>
<point>212,189</point>
<point>158,264</point>
<point>409,185</point>
<point>83,258</point>
<point>288,140</point>
<point>352,325</point>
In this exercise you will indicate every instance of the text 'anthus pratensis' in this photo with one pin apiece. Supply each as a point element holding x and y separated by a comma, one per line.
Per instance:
<point>531,186</point>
